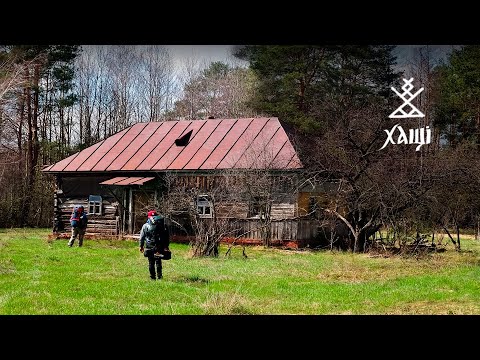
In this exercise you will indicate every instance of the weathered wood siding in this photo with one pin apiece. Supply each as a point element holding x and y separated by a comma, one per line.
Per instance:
<point>232,210</point>
<point>302,231</point>
<point>240,210</point>
<point>108,223</point>
<point>282,211</point>
<point>199,182</point>
<point>291,229</point>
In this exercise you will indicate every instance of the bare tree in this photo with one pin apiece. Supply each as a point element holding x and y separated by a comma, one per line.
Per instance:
<point>217,90</point>
<point>19,111</point>
<point>11,76</point>
<point>186,107</point>
<point>156,82</point>
<point>179,201</point>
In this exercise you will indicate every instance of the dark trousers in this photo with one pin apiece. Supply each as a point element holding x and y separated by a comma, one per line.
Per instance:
<point>154,263</point>
<point>77,231</point>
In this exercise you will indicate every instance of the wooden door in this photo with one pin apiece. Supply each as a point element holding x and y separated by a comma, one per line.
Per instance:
<point>143,201</point>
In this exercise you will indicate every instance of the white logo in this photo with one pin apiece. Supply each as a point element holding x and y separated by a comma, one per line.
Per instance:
<point>420,136</point>
<point>414,112</point>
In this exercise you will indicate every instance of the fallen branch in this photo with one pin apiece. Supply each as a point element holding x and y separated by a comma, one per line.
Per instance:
<point>449,235</point>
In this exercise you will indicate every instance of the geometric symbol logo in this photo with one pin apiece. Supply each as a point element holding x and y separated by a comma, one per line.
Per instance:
<point>407,97</point>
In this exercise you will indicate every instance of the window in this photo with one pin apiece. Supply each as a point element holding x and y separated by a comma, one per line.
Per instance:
<point>258,208</point>
<point>254,209</point>
<point>95,204</point>
<point>204,206</point>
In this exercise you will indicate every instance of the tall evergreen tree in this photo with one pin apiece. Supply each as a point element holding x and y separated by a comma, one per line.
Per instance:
<point>458,105</point>
<point>307,85</point>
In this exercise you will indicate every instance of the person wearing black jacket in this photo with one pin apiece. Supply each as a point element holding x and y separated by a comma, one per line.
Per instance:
<point>154,243</point>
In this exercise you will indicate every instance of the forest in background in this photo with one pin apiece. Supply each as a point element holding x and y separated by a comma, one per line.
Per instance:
<point>334,101</point>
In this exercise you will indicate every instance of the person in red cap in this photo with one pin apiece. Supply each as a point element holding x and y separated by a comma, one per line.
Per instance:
<point>154,241</point>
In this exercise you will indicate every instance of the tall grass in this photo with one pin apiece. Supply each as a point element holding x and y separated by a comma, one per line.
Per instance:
<point>41,276</point>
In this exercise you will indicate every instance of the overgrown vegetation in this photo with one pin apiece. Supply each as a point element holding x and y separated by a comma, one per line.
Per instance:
<point>40,276</point>
<point>334,100</point>
<point>338,100</point>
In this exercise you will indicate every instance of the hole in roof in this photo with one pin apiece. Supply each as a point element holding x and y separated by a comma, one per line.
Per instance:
<point>184,139</point>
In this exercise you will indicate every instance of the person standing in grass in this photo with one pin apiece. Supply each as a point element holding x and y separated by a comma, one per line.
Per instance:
<point>78,221</point>
<point>154,242</point>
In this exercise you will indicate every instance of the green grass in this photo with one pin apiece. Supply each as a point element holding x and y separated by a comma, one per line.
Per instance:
<point>40,276</point>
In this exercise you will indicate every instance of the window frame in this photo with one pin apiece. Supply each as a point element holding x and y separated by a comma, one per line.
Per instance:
<point>203,202</point>
<point>95,202</point>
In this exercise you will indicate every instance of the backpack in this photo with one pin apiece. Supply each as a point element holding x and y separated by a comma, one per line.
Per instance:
<point>157,221</point>
<point>156,227</point>
<point>75,218</point>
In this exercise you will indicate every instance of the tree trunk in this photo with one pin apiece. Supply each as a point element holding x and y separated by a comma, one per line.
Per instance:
<point>29,172</point>
<point>35,144</point>
<point>43,125</point>
<point>458,235</point>
<point>477,233</point>
<point>20,131</point>
<point>450,236</point>
<point>355,243</point>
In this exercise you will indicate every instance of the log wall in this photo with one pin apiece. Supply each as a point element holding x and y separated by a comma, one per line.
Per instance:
<point>106,224</point>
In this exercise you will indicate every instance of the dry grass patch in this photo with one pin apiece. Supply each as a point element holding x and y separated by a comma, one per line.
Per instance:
<point>362,267</point>
<point>227,304</point>
<point>7,266</point>
<point>445,307</point>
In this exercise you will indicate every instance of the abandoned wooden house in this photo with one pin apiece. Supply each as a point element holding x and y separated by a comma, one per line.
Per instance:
<point>122,177</point>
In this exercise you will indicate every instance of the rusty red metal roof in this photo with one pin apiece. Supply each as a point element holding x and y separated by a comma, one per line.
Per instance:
<point>250,143</point>
<point>124,180</point>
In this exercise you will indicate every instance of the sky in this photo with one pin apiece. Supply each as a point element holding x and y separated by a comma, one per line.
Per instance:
<point>403,52</point>
<point>208,53</point>
<point>216,52</point>
<point>202,53</point>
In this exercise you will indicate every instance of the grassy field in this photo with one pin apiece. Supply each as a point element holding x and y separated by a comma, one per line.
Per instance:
<point>40,276</point>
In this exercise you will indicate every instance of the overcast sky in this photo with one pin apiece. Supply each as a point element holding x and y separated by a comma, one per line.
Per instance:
<point>210,53</point>
<point>202,53</point>
<point>215,52</point>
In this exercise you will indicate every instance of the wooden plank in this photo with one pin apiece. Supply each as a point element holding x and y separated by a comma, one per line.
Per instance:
<point>282,211</point>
